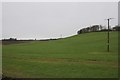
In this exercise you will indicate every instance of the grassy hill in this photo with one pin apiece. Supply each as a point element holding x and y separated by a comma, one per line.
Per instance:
<point>79,56</point>
<point>0,58</point>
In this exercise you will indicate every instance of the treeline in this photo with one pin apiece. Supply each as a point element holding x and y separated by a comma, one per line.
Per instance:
<point>15,39</point>
<point>97,28</point>
<point>10,39</point>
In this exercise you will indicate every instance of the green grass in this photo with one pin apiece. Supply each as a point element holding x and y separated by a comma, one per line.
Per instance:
<point>79,56</point>
<point>0,59</point>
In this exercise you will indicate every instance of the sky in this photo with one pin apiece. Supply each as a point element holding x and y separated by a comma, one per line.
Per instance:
<point>119,13</point>
<point>0,20</point>
<point>41,20</point>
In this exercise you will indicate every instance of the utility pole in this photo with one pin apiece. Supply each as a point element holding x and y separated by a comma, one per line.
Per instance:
<point>108,36</point>
<point>108,41</point>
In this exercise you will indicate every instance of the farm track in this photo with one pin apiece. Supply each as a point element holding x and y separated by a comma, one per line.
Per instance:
<point>68,61</point>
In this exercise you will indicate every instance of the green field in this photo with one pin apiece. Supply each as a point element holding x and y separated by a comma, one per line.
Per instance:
<point>79,56</point>
<point>0,58</point>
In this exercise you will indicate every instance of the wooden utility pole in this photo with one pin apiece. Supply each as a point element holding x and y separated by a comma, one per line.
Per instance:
<point>108,45</point>
<point>108,36</point>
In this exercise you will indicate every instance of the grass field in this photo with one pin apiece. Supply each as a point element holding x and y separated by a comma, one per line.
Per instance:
<point>79,56</point>
<point>0,59</point>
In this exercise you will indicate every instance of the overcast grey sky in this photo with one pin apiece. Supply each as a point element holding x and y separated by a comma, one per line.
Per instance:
<point>51,19</point>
